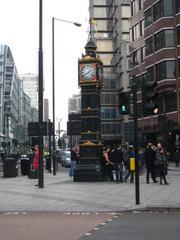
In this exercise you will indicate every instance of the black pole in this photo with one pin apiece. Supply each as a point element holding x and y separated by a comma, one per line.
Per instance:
<point>137,192</point>
<point>40,96</point>
<point>50,151</point>
<point>53,100</point>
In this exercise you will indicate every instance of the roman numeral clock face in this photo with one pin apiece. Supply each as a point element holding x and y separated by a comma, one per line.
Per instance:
<point>88,72</point>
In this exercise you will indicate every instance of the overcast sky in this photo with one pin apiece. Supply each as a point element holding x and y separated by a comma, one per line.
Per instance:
<point>19,29</point>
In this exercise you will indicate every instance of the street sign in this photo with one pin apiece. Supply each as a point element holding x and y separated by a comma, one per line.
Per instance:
<point>35,128</point>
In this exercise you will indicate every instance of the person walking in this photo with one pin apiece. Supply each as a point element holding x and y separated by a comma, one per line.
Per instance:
<point>150,158</point>
<point>118,163</point>
<point>74,159</point>
<point>161,163</point>
<point>35,163</point>
<point>176,157</point>
<point>129,172</point>
<point>107,164</point>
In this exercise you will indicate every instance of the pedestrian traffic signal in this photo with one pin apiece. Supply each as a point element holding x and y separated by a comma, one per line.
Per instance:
<point>150,98</point>
<point>124,103</point>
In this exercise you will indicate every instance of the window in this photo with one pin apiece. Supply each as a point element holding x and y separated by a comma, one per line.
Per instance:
<point>166,70</point>
<point>135,32</point>
<point>164,38</point>
<point>142,54</point>
<point>136,5</point>
<point>136,57</point>
<point>108,113</point>
<point>139,83</point>
<point>178,35</point>
<point>149,46</point>
<point>148,18</point>
<point>171,102</point>
<point>142,28</point>
<point>177,6</point>
<point>150,74</point>
<point>109,99</point>
<point>163,8</point>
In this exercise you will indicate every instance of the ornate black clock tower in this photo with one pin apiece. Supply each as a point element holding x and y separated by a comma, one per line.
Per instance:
<point>90,81</point>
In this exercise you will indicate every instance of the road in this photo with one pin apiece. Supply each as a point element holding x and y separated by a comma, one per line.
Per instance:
<point>138,226</point>
<point>89,226</point>
<point>48,225</point>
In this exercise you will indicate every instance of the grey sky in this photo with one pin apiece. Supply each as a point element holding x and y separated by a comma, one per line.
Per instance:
<point>19,29</point>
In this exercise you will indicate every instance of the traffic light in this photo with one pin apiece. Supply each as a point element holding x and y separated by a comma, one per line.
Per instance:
<point>149,98</point>
<point>124,103</point>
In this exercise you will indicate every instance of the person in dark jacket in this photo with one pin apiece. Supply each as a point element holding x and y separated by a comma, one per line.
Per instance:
<point>150,158</point>
<point>161,163</point>
<point>176,157</point>
<point>107,164</point>
<point>118,163</point>
<point>129,155</point>
<point>74,159</point>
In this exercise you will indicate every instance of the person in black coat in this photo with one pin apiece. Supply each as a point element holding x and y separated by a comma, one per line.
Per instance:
<point>150,158</point>
<point>118,163</point>
<point>161,163</point>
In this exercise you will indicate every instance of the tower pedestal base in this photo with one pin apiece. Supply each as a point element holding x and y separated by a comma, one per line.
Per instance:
<point>88,174</point>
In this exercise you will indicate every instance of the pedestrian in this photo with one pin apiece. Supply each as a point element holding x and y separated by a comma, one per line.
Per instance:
<point>150,158</point>
<point>130,172</point>
<point>161,163</point>
<point>74,159</point>
<point>107,164</point>
<point>118,163</point>
<point>35,163</point>
<point>176,157</point>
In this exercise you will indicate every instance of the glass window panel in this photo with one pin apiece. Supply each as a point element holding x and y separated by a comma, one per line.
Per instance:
<point>177,6</point>
<point>169,38</point>
<point>170,69</point>
<point>148,17</point>
<point>157,10</point>
<point>149,46</point>
<point>167,5</point>
<point>178,35</point>
<point>171,102</point>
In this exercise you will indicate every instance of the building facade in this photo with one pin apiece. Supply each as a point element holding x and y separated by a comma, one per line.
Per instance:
<point>10,101</point>
<point>109,27</point>
<point>155,55</point>
<point>30,86</point>
<point>74,104</point>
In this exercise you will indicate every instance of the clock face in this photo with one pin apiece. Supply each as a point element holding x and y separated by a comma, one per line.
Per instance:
<point>88,72</point>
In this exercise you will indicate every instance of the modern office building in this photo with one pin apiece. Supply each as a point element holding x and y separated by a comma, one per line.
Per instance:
<point>46,110</point>
<point>155,54</point>
<point>30,86</point>
<point>109,28</point>
<point>74,104</point>
<point>10,102</point>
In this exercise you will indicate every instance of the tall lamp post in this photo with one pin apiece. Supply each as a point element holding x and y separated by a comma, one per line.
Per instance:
<point>53,85</point>
<point>40,96</point>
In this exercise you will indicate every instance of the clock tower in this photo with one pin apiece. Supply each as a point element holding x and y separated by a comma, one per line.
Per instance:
<point>90,80</point>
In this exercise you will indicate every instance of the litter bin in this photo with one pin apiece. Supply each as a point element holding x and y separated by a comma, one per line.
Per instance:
<point>48,163</point>
<point>24,165</point>
<point>10,168</point>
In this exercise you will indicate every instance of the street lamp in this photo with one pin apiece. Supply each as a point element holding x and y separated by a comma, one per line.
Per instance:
<point>53,84</point>
<point>40,96</point>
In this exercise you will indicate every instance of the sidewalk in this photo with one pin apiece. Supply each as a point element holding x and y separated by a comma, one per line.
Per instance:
<point>61,194</point>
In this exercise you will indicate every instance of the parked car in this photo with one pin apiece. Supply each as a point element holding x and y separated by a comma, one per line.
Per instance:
<point>66,159</point>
